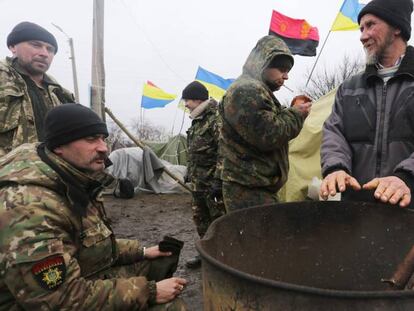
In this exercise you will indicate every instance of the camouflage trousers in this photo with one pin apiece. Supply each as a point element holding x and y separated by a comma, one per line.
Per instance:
<point>236,196</point>
<point>205,211</point>
<point>154,270</point>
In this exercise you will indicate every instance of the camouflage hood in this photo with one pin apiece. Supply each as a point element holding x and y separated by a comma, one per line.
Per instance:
<point>23,166</point>
<point>262,54</point>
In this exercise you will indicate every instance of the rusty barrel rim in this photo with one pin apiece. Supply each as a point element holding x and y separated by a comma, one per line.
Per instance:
<point>294,287</point>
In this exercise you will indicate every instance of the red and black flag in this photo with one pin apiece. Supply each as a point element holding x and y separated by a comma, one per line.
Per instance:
<point>298,34</point>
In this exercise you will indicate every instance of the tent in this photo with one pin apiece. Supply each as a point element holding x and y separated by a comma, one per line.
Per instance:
<point>304,151</point>
<point>174,150</point>
<point>145,170</point>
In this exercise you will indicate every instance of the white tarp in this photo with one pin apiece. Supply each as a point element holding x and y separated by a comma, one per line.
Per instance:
<point>145,170</point>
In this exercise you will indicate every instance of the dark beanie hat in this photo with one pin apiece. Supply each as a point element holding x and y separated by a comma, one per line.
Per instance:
<point>26,31</point>
<point>396,13</point>
<point>281,61</point>
<point>69,122</point>
<point>195,90</point>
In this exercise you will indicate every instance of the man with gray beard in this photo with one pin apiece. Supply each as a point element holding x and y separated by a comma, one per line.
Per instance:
<point>367,150</point>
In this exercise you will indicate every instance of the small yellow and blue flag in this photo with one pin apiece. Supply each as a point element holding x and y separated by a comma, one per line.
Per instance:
<point>154,97</point>
<point>347,18</point>
<point>215,84</point>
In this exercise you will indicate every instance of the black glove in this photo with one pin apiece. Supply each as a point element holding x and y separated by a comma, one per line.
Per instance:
<point>169,244</point>
<point>164,267</point>
<point>216,191</point>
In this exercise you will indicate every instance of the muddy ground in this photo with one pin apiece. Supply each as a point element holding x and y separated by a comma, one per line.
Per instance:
<point>148,217</point>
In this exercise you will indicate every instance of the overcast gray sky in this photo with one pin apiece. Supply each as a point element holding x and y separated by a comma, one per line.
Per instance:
<point>165,42</point>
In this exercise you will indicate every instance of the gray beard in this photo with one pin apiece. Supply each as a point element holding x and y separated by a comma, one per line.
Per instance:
<point>370,59</point>
<point>377,56</point>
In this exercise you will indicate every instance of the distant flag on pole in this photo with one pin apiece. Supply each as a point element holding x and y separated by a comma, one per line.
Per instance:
<point>298,34</point>
<point>181,105</point>
<point>154,97</point>
<point>215,84</point>
<point>347,18</point>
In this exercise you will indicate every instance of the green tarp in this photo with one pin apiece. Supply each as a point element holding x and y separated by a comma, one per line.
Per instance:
<point>173,151</point>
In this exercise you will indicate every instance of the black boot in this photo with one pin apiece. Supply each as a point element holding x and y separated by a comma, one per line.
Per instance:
<point>194,263</point>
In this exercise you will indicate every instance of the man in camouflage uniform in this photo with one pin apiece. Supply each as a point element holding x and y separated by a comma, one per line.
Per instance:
<point>256,129</point>
<point>57,249</point>
<point>202,141</point>
<point>26,92</point>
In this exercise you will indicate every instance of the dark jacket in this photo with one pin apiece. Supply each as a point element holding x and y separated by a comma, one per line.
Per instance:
<point>370,132</point>
<point>256,129</point>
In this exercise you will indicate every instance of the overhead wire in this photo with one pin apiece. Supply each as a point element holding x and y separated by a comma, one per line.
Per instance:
<point>157,51</point>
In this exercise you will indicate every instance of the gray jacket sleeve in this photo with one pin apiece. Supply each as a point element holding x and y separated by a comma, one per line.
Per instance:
<point>336,153</point>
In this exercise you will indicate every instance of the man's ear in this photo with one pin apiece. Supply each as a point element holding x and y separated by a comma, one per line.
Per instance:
<point>397,32</point>
<point>58,150</point>
<point>12,49</point>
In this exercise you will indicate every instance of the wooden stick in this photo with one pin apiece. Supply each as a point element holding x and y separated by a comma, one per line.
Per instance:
<point>142,146</point>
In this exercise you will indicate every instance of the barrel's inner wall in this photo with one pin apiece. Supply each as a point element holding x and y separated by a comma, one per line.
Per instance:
<point>329,245</point>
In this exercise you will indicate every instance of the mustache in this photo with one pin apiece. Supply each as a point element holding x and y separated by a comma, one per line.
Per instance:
<point>40,60</point>
<point>99,156</point>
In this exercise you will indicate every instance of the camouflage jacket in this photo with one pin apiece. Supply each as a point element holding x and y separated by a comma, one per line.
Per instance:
<point>17,123</point>
<point>48,253</point>
<point>256,129</point>
<point>202,141</point>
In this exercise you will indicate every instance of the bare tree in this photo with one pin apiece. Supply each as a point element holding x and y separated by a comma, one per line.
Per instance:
<point>116,139</point>
<point>326,80</point>
<point>148,131</point>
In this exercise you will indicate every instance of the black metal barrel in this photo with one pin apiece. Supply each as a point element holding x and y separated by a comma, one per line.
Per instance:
<point>307,256</point>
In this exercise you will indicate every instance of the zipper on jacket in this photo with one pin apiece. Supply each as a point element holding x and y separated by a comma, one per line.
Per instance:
<point>364,113</point>
<point>381,130</point>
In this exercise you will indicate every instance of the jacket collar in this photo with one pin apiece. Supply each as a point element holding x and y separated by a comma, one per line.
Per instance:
<point>202,109</point>
<point>14,63</point>
<point>406,67</point>
<point>80,188</point>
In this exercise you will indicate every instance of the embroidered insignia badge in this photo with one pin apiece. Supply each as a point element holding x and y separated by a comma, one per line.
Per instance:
<point>50,273</point>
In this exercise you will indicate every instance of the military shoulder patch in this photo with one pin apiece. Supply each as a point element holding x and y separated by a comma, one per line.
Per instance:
<point>50,273</point>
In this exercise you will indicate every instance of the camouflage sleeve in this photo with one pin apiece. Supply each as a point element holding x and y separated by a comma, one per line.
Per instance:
<point>252,114</point>
<point>129,251</point>
<point>41,270</point>
<point>10,109</point>
<point>216,129</point>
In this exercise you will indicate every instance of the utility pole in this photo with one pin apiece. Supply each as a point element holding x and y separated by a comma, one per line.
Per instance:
<point>98,69</point>
<point>72,58</point>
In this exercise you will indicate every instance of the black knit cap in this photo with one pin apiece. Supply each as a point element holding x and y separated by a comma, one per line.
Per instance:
<point>195,90</point>
<point>69,122</point>
<point>396,13</point>
<point>281,62</point>
<point>26,31</point>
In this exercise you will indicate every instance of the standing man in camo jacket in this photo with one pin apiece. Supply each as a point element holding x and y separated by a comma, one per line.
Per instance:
<point>256,129</point>
<point>27,93</point>
<point>202,141</point>
<point>57,248</point>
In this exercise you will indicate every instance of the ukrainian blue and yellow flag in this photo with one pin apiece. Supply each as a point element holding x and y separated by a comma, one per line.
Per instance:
<point>347,18</point>
<point>215,84</point>
<point>154,97</point>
